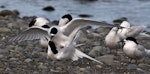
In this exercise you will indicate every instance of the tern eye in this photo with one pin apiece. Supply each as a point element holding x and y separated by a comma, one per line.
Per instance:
<point>53,31</point>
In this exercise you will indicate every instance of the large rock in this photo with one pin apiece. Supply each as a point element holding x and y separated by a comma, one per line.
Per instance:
<point>108,59</point>
<point>97,51</point>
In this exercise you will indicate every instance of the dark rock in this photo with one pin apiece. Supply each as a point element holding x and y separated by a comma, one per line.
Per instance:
<point>49,8</point>
<point>120,20</point>
<point>8,12</point>
<point>85,15</point>
<point>2,6</point>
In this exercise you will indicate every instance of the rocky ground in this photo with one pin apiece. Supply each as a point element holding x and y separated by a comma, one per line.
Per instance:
<point>29,57</point>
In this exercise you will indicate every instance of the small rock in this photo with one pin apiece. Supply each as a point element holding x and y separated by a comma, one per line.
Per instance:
<point>49,8</point>
<point>1,56</point>
<point>96,51</point>
<point>2,30</point>
<point>132,66</point>
<point>120,20</point>
<point>6,13</point>
<point>42,66</point>
<point>28,60</point>
<point>2,6</point>
<point>84,15</point>
<point>13,59</point>
<point>3,51</point>
<point>108,59</point>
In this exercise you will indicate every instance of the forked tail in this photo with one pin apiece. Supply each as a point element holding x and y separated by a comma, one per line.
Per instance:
<point>78,54</point>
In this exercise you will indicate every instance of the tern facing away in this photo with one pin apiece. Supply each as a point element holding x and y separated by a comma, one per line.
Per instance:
<point>134,50</point>
<point>112,39</point>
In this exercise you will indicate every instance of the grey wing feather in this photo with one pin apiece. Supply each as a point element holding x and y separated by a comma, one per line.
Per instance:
<point>134,31</point>
<point>82,22</point>
<point>31,34</point>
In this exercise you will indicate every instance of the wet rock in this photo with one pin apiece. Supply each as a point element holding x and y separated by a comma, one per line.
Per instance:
<point>132,66</point>
<point>27,60</point>
<point>108,59</point>
<point>8,12</point>
<point>85,15</point>
<point>120,20</point>
<point>96,51</point>
<point>49,8</point>
<point>2,6</point>
<point>2,30</point>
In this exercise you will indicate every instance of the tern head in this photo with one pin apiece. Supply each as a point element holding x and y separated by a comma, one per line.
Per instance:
<point>53,31</point>
<point>131,39</point>
<point>125,24</point>
<point>114,29</point>
<point>65,19</point>
<point>40,21</point>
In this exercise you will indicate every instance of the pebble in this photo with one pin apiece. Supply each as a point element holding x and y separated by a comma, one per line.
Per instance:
<point>13,59</point>
<point>42,66</point>
<point>27,60</point>
<point>3,30</point>
<point>1,56</point>
<point>132,66</point>
<point>3,51</point>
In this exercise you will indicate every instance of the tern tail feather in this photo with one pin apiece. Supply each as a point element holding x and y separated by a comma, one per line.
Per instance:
<point>78,54</point>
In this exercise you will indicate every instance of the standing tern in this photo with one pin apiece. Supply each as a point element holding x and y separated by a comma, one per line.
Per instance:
<point>112,39</point>
<point>134,50</point>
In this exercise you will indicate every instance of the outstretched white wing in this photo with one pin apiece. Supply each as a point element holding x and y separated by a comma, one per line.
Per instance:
<point>79,23</point>
<point>32,33</point>
<point>136,30</point>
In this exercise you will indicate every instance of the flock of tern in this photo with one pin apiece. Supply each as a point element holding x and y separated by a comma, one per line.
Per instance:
<point>60,39</point>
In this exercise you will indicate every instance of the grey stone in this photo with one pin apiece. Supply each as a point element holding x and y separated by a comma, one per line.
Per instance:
<point>108,59</point>
<point>3,51</point>
<point>3,30</point>
<point>96,51</point>
<point>13,59</point>
<point>132,66</point>
<point>27,60</point>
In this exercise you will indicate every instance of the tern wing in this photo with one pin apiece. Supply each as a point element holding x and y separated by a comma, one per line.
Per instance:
<point>32,33</point>
<point>134,31</point>
<point>143,36</point>
<point>79,23</point>
<point>78,54</point>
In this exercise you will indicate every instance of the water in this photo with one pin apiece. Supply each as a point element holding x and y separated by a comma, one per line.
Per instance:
<point>137,11</point>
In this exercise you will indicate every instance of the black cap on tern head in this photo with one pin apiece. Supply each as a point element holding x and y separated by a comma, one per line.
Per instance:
<point>32,22</point>
<point>132,39</point>
<point>67,16</point>
<point>53,47</point>
<point>45,26</point>
<point>53,30</point>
